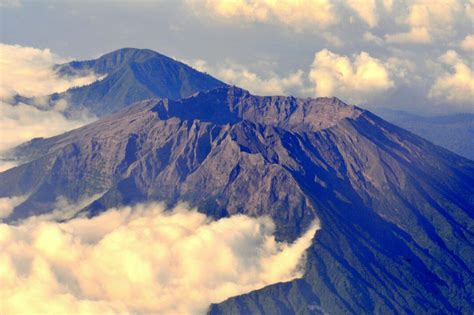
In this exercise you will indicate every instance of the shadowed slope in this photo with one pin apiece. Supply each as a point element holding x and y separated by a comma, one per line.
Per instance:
<point>396,211</point>
<point>133,75</point>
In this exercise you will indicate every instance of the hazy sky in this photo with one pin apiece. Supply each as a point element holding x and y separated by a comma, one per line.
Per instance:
<point>412,55</point>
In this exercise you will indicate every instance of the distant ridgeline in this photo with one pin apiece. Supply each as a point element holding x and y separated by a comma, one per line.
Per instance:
<point>132,75</point>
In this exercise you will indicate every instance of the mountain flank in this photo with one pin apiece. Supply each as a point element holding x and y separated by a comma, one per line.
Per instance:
<point>132,75</point>
<point>396,211</point>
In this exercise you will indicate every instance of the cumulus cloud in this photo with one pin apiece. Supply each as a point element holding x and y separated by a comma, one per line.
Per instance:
<point>141,259</point>
<point>417,35</point>
<point>21,122</point>
<point>64,209</point>
<point>427,20</point>
<point>467,43</point>
<point>366,9</point>
<point>456,82</point>
<point>296,14</point>
<point>355,80</point>
<point>29,72</point>
<point>413,21</point>
<point>7,205</point>
<point>240,76</point>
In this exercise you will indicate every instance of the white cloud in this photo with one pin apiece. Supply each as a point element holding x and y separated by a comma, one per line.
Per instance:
<point>29,72</point>
<point>7,205</point>
<point>427,20</point>
<point>241,76</point>
<point>388,5</point>
<point>417,35</point>
<point>296,14</point>
<point>467,43</point>
<point>355,80</point>
<point>7,164</point>
<point>20,123</point>
<point>369,37</point>
<point>366,9</point>
<point>64,209</point>
<point>456,83</point>
<point>469,9</point>
<point>141,260</point>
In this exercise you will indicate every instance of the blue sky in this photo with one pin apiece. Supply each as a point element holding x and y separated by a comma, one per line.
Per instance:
<point>410,55</point>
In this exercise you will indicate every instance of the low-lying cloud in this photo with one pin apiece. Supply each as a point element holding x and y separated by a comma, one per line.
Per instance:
<point>29,72</point>
<point>21,122</point>
<point>141,259</point>
<point>7,204</point>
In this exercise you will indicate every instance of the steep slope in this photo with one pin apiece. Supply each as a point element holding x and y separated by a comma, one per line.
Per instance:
<point>396,211</point>
<point>132,75</point>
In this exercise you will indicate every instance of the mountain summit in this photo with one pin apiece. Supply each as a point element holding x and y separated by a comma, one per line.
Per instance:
<point>396,211</point>
<point>132,75</point>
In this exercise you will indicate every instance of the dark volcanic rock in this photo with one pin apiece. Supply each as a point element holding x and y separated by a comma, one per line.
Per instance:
<point>396,211</point>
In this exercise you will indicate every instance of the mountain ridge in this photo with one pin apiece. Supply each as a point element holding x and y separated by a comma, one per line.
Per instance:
<point>395,210</point>
<point>397,230</point>
<point>131,75</point>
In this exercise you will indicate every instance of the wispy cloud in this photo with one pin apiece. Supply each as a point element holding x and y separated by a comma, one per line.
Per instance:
<point>29,72</point>
<point>296,14</point>
<point>7,204</point>
<point>21,122</point>
<point>141,259</point>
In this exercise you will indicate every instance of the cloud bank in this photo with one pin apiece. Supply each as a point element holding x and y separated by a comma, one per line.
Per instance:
<point>241,76</point>
<point>376,53</point>
<point>355,80</point>
<point>413,21</point>
<point>428,20</point>
<point>467,43</point>
<point>361,78</point>
<point>141,259</point>
<point>296,14</point>
<point>20,123</point>
<point>456,82</point>
<point>29,72</point>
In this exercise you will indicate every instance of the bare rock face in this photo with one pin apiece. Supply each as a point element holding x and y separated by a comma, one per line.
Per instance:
<point>396,211</point>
